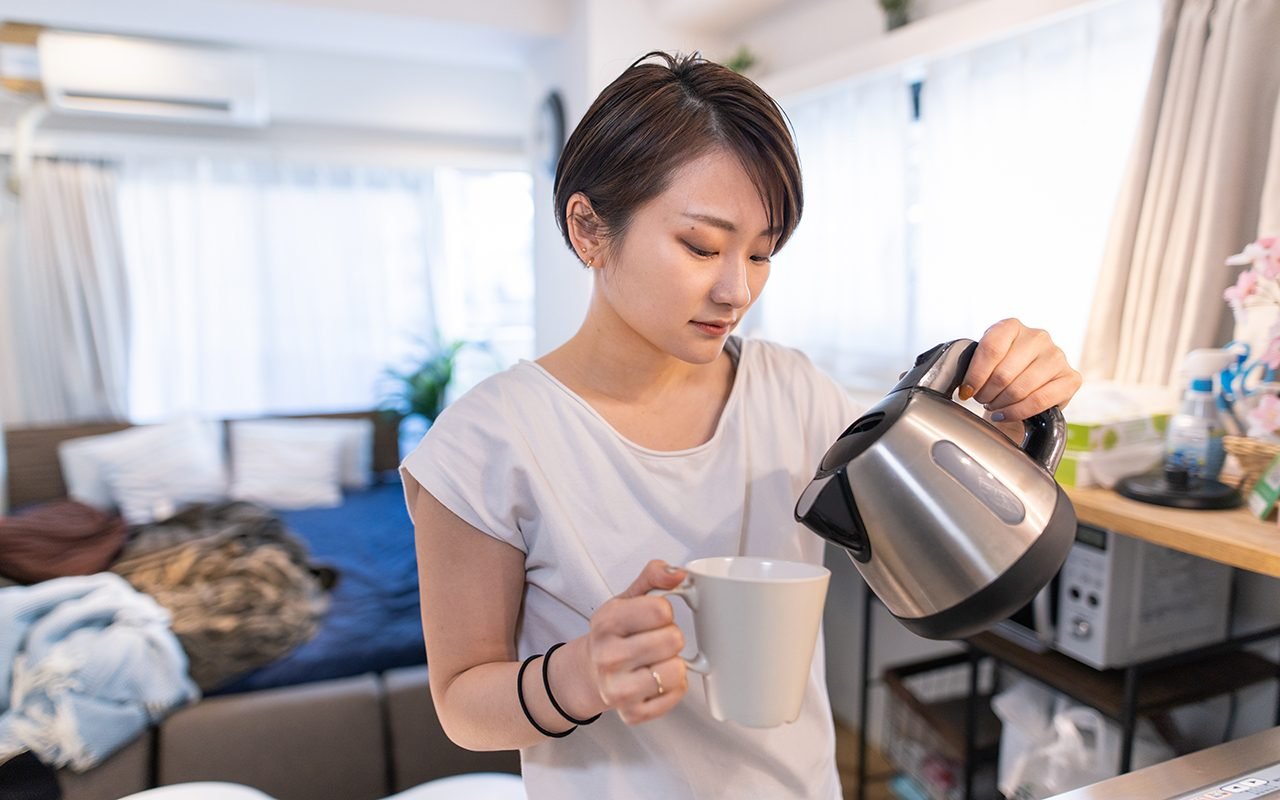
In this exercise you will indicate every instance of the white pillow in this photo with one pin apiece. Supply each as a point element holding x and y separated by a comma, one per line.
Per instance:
<point>354,435</point>
<point>146,472</point>
<point>286,467</point>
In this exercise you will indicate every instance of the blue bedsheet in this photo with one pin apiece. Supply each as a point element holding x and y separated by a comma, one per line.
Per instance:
<point>373,620</point>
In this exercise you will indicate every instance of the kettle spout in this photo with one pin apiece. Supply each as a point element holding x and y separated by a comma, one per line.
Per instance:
<point>828,509</point>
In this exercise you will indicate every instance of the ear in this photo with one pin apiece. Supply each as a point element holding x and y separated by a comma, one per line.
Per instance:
<point>586,231</point>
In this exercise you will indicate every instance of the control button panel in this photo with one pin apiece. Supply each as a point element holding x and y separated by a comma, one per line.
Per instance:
<point>1262,783</point>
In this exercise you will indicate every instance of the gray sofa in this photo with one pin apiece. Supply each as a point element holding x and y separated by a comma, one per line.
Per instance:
<point>356,738</point>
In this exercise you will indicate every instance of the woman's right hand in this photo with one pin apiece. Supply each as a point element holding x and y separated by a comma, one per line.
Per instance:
<point>632,637</point>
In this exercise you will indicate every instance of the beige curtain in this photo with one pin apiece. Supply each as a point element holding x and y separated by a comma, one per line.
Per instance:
<point>1269,217</point>
<point>1193,192</point>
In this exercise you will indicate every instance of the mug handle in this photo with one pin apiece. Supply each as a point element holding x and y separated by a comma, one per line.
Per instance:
<point>686,592</point>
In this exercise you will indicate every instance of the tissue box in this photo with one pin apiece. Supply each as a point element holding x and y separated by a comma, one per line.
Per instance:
<point>1104,416</point>
<point>1083,468</point>
<point>1095,437</point>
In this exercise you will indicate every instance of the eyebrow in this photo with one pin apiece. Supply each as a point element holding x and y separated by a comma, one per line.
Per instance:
<point>726,225</point>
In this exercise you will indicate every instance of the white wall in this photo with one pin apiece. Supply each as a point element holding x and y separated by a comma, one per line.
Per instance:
<point>604,37</point>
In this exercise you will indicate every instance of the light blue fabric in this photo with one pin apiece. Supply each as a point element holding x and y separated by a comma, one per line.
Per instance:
<point>86,664</point>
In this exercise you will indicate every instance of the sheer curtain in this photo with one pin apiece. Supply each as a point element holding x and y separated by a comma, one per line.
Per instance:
<point>839,290</point>
<point>1024,148</point>
<point>994,203</point>
<point>263,287</point>
<point>63,312</point>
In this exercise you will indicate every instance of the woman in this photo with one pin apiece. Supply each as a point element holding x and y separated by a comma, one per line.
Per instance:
<point>551,498</point>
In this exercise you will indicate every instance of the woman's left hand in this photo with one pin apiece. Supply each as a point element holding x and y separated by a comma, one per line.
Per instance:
<point>1017,372</point>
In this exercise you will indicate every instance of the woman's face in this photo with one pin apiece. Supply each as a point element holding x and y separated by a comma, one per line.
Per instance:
<point>693,260</point>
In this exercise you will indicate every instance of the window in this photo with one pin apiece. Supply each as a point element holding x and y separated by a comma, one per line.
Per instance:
<point>993,201</point>
<point>262,287</point>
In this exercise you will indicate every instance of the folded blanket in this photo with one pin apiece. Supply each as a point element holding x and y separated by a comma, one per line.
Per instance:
<point>86,664</point>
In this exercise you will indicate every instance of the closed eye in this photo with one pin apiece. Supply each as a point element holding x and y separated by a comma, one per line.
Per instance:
<point>698,251</point>
<point>761,259</point>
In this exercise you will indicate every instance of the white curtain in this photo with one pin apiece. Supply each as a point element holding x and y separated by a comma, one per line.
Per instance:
<point>993,204</point>
<point>274,287</point>
<point>1194,189</point>
<point>261,287</point>
<point>64,311</point>
<point>1024,150</point>
<point>839,290</point>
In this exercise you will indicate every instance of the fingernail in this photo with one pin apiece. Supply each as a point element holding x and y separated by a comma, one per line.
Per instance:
<point>966,392</point>
<point>998,416</point>
<point>671,570</point>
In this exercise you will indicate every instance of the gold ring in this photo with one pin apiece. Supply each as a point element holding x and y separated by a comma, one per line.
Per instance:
<point>658,680</point>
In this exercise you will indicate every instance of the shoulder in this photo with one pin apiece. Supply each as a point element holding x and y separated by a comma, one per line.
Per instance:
<point>791,383</point>
<point>493,401</point>
<point>486,420</point>
<point>772,363</point>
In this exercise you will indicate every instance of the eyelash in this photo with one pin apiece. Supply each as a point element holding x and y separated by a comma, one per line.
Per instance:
<point>700,253</point>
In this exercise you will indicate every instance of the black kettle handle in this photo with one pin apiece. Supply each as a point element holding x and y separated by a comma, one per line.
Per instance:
<point>942,370</point>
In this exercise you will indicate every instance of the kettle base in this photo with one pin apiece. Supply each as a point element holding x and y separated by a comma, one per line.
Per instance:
<point>1189,492</point>
<point>1012,590</point>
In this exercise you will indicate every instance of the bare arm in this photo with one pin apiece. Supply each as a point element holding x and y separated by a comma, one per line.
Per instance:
<point>471,590</point>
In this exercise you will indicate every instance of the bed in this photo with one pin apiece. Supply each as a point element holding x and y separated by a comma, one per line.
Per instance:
<point>345,715</point>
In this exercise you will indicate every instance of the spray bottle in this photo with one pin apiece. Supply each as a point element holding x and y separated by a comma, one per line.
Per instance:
<point>1195,433</point>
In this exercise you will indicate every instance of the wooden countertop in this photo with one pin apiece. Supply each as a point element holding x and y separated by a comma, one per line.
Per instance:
<point>1232,537</point>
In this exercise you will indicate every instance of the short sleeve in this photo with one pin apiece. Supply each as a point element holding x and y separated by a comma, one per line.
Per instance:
<point>473,462</point>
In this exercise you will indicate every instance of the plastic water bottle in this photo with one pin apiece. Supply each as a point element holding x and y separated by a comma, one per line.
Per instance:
<point>1195,433</point>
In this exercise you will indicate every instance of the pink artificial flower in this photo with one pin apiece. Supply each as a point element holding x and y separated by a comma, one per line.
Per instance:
<point>1265,417</point>
<point>1244,288</point>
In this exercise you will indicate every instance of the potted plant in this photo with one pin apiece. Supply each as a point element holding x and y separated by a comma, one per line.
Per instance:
<point>417,392</point>
<point>896,13</point>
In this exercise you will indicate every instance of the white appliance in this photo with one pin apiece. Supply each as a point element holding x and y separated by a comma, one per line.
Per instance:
<point>85,73</point>
<point>1119,600</point>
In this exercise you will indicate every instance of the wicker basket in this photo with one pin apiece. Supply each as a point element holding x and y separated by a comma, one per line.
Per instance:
<point>1253,455</point>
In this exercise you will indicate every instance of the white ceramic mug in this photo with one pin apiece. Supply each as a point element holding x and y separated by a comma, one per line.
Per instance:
<point>757,623</point>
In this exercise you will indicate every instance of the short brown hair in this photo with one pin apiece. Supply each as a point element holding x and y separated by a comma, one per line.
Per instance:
<point>656,117</point>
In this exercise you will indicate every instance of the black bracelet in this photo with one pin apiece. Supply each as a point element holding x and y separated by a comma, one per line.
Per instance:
<point>546,682</point>
<point>525,707</point>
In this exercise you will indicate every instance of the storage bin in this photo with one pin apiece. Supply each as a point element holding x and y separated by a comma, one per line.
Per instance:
<point>924,726</point>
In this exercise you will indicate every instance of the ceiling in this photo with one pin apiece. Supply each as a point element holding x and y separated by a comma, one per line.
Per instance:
<point>497,33</point>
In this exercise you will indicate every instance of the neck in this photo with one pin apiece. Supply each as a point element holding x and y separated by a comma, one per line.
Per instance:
<point>607,358</point>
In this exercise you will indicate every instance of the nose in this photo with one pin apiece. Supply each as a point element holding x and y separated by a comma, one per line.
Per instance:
<point>731,287</point>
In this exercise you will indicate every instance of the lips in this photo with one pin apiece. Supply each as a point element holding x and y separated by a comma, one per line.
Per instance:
<point>716,327</point>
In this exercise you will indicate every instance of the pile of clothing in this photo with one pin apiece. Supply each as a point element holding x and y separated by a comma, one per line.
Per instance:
<point>239,586</point>
<point>119,627</point>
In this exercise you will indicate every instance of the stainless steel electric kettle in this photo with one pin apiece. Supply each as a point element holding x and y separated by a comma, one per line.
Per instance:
<point>953,526</point>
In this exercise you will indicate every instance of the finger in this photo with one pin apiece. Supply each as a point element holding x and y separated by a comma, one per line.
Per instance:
<point>1054,393</point>
<point>1038,373</point>
<point>621,654</point>
<point>648,702</point>
<point>656,574</point>
<point>992,347</point>
<point>624,616</point>
<point>1028,348</point>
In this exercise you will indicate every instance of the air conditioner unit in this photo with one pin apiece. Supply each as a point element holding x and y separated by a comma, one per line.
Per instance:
<point>86,73</point>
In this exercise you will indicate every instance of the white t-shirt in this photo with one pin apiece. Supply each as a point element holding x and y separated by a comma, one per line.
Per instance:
<point>525,460</point>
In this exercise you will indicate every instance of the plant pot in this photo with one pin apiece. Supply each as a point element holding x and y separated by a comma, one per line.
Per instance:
<point>412,429</point>
<point>896,18</point>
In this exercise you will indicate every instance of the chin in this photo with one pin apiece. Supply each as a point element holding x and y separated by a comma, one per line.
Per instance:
<point>703,352</point>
